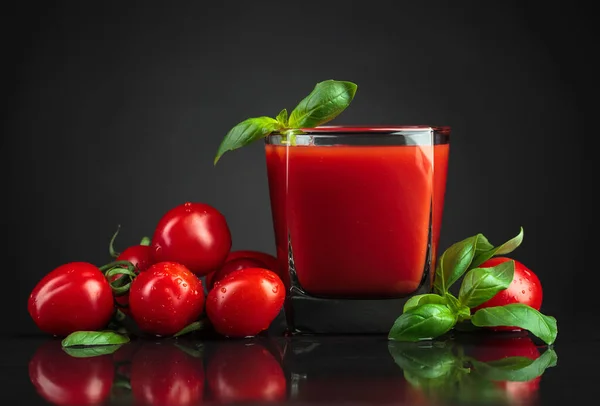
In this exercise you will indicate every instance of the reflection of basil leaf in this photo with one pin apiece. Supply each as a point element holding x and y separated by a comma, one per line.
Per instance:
<point>518,315</point>
<point>506,248</point>
<point>94,338</point>
<point>418,300</point>
<point>428,363</point>
<point>86,352</point>
<point>515,369</point>
<point>482,284</point>
<point>454,262</point>
<point>423,322</point>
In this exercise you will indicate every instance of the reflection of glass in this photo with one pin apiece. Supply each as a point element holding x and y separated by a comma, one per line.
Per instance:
<point>496,369</point>
<point>357,216</point>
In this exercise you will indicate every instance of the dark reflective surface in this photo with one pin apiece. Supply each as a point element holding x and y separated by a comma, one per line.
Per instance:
<point>469,369</point>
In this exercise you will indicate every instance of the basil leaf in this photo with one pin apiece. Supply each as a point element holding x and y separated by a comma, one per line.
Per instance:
<point>462,312</point>
<point>424,363</point>
<point>481,284</point>
<point>282,118</point>
<point>518,315</point>
<point>245,132</point>
<point>86,352</point>
<point>197,325</point>
<point>327,100</point>
<point>424,322</point>
<point>94,338</point>
<point>454,262</point>
<point>197,351</point>
<point>506,248</point>
<point>418,300</point>
<point>516,369</point>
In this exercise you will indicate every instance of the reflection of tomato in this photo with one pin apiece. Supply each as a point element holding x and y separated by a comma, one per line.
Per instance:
<point>496,348</point>
<point>65,380</point>
<point>162,374</point>
<point>239,371</point>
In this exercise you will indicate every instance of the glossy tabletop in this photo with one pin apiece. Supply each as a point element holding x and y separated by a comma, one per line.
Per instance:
<point>201,368</point>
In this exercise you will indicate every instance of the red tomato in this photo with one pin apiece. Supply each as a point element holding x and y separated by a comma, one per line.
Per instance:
<point>140,256</point>
<point>165,298</point>
<point>162,374</point>
<point>245,302</point>
<point>525,288</point>
<point>239,372</point>
<point>269,260</point>
<point>496,348</point>
<point>195,235</point>
<point>74,296</point>
<point>232,266</point>
<point>65,380</point>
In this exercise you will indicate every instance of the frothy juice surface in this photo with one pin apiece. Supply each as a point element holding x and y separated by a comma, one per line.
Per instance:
<point>357,216</point>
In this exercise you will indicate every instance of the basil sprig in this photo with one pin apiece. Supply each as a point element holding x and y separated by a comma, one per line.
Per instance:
<point>431,315</point>
<point>327,100</point>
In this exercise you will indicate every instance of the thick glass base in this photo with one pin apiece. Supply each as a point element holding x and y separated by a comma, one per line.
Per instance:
<point>313,315</point>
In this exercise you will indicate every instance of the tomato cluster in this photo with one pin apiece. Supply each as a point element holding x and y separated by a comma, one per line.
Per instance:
<point>159,283</point>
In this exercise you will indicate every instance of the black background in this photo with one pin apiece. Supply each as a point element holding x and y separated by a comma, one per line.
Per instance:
<point>114,111</point>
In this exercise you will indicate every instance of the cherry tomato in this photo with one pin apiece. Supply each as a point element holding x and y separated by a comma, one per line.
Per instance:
<point>162,374</point>
<point>165,298</point>
<point>271,263</point>
<point>497,348</point>
<point>245,302</point>
<point>141,257</point>
<point>74,296</point>
<point>245,372</point>
<point>195,235</point>
<point>65,380</point>
<point>232,266</point>
<point>525,288</point>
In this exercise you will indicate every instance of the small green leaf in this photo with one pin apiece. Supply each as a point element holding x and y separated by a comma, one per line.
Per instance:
<point>282,118</point>
<point>462,312</point>
<point>481,284</point>
<point>516,369</point>
<point>454,262</point>
<point>196,352</point>
<point>518,315</point>
<point>246,132</point>
<point>195,326</point>
<point>506,248</point>
<point>327,100</point>
<point>86,352</point>
<point>89,338</point>
<point>145,241</point>
<point>424,322</point>
<point>419,300</point>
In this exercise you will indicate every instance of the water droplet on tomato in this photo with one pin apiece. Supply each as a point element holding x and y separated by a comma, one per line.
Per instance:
<point>187,204</point>
<point>178,281</point>
<point>530,289</point>
<point>523,292</point>
<point>184,285</point>
<point>223,290</point>
<point>275,289</point>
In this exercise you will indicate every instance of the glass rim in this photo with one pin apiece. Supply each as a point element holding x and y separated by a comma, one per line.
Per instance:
<point>349,130</point>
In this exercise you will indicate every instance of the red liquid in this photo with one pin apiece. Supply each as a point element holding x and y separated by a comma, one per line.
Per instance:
<point>357,216</point>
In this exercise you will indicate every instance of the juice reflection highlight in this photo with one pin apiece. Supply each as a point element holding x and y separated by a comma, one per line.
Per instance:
<point>357,216</point>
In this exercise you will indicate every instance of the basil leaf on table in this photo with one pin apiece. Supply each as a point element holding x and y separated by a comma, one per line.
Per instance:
<point>481,284</point>
<point>454,262</point>
<point>327,100</point>
<point>89,338</point>
<point>424,322</point>
<point>95,351</point>
<point>419,300</point>
<point>516,369</point>
<point>506,248</point>
<point>518,315</point>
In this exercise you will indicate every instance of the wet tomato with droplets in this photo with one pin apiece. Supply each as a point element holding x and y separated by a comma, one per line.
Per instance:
<point>245,302</point>
<point>195,235</point>
<point>525,288</point>
<point>230,266</point>
<point>165,298</point>
<point>75,296</point>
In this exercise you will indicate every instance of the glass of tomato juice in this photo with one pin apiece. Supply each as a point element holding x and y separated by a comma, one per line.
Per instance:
<point>357,215</point>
